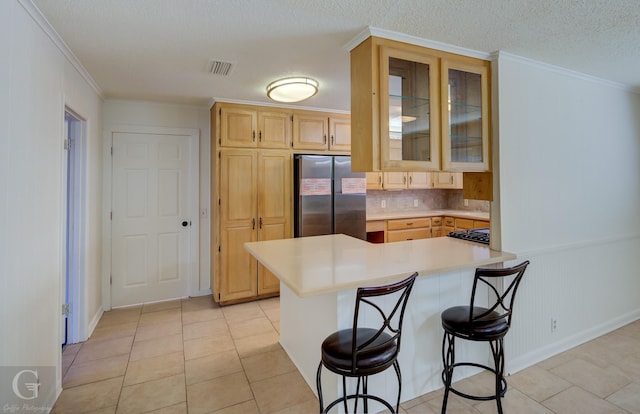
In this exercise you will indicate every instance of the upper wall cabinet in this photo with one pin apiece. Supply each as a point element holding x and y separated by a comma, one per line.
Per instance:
<point>418,109</point>
<point>244,126</point>
<point>465,115</point>
<point>409,121</point>
<point>318,131</point>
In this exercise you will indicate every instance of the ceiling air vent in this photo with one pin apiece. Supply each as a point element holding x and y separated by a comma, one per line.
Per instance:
<point>221,68</point>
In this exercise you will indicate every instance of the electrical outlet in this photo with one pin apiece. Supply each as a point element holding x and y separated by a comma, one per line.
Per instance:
<point>466,202</point>
<point>554,324</point>
<point>383,204</point>
<point>415,203</point>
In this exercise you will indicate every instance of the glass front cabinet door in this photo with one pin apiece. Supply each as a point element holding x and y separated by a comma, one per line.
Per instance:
<point>418,109</point>
<point>409,111</point>
<point>465,115</point>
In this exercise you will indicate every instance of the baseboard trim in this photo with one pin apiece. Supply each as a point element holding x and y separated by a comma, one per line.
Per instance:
<point>532,358</point>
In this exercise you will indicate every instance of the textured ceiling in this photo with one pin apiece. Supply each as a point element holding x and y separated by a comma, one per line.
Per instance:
<point>159,50</point>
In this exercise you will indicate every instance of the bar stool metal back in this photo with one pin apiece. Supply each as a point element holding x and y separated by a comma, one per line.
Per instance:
<point>478,323</point>
<point>363,351</point>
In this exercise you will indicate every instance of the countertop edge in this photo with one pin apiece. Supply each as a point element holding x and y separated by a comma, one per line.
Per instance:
<point>476,215</point>
<point>496,257</point>
<point>401,276</point>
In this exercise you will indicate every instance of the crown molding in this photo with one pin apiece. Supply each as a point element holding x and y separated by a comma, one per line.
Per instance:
<point>41,21</point>
<point>563,71</point>
<point>212,101</point>
<point>414,40</point>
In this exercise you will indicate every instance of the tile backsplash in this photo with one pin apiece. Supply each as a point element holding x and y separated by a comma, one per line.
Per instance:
<point>405,201</point>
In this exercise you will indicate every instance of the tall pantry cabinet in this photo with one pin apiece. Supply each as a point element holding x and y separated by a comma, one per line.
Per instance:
<point>251,196</point>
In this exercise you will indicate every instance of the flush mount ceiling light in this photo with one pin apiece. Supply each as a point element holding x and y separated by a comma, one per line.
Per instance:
<point>293,89</point>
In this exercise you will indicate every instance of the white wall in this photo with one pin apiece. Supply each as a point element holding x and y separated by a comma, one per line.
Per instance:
<point>83,101</point>
<point>569,172</point>
<point>36,81</point>
<point>174,116</point>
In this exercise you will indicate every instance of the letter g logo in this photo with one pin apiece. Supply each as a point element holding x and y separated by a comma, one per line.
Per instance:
<point>31,386</point>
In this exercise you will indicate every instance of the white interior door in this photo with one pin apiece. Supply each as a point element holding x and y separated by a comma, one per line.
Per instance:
<point>151,217</point>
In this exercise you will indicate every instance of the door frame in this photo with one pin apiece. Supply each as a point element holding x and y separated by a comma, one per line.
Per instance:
<point>74,238</point>
<point>193,267</point>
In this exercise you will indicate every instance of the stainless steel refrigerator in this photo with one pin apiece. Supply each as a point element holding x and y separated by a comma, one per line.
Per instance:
<point>329,197</point>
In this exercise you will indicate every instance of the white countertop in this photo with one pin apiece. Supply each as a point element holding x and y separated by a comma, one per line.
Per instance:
<point>477,215</point>
<point>322,264</point>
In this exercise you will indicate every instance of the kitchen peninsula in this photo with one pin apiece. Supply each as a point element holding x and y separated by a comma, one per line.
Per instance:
<point>318,280</point>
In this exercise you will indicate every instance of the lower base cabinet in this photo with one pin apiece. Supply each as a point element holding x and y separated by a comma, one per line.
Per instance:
<point>394,230</point>
<point>408,229</point>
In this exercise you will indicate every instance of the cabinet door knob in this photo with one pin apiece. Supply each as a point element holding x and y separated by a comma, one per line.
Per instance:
<point>324,138</point>
<point>253,223</point>
<point>332,140</point>
<point>253,136</point>
<point>260,136</point>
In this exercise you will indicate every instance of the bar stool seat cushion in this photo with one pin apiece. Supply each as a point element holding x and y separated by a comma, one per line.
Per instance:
<point>337,351</point>
<point>456,320</point>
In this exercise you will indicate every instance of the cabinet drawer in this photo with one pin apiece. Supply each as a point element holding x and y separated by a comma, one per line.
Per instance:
<point>480,224</point>
<point>411,234</point>
<point>449,222</point>
<point>436,221</point>
<point>412,223</point>
<point>464,224</point>
<point>377,225</point>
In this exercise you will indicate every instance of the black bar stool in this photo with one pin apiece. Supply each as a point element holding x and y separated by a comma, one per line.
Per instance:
<point>363,351</point>
<point>476,323</point>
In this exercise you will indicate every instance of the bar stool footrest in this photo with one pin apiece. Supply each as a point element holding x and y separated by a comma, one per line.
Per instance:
<point>503,388</point>
<point>362,396</point>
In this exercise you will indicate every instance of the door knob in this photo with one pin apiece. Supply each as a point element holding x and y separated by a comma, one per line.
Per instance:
<point>185,223</point>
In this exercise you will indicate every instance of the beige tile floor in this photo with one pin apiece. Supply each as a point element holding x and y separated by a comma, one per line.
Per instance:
<point>192,356</point>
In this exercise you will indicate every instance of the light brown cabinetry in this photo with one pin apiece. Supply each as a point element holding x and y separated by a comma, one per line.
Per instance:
<point>408,229</point>
<point>255,202</point>
<point>251,185</point>
<point>465,114</point>
<point>436,227</point>
<point>446,179</point>
<point>464,224</point>
<point>457,223</point>
<point>414,228</point>
<point>449,225</point>
<point>480,224</point>
<point>374,181</point>
<point>395,180</point>
<point>418,109</point>
<point>376,231</point>
<point>319,131</point>
<point>418,180</point>
<point>398,180</point>
<point>244,126</point>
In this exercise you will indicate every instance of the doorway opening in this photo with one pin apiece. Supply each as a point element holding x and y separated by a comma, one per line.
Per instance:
<point>73,319</point>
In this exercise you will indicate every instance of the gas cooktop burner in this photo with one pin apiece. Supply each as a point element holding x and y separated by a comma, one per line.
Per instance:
<point>475,235</point>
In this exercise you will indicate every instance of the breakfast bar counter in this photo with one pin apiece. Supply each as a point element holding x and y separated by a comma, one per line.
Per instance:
<point>318,279</point>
